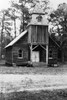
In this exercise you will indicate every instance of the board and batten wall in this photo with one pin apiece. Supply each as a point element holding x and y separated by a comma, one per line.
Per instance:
<point>37,34</point>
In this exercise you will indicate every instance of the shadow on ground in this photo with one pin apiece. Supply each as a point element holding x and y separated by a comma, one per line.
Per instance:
<point>39,95</point>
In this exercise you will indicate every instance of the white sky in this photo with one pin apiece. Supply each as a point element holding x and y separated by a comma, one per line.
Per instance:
<point>54,3</point>
<point>5,3</point>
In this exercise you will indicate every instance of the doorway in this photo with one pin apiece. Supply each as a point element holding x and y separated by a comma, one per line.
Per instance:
<point>35,56</point>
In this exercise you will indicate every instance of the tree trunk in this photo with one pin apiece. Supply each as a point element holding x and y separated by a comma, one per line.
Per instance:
<point>2,35</point>
<point>15,27</point>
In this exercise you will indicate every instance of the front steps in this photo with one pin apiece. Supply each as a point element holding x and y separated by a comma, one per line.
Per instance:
<point>39,64</point>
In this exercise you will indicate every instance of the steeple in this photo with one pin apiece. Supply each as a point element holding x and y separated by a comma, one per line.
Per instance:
<point>38,35</point>
<point>38,16</point>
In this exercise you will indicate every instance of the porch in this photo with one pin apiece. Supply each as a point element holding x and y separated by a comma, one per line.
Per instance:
<point>38,54</point>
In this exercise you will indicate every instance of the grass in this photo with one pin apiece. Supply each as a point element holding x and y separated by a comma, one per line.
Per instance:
<point>39,95</point>
<point>61,69</point>
<point>32,70</point>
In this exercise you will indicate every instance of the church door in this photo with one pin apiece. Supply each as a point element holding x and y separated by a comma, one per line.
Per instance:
<point>35,56</point>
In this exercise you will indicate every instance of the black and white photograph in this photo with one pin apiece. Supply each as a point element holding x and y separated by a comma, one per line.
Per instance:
<point>33,49</point>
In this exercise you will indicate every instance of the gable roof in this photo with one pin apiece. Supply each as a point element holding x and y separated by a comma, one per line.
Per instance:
<point>54,41</point>
<point>21,35</point>
<point>16,39</point>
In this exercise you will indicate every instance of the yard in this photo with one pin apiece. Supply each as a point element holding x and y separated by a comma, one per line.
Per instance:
<point>61,69</point>
<point>30,87</point>
<point>41,95</point>
<point>33,83</point>
<point>43,70</point>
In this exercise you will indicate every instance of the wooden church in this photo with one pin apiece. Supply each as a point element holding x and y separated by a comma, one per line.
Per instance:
<point>34,45</point>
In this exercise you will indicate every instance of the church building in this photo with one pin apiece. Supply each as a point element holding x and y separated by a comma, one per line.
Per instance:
<point>34,45</point>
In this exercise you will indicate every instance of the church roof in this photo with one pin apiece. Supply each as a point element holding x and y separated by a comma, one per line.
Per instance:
<point>21,35</point>
<point>16,39</point>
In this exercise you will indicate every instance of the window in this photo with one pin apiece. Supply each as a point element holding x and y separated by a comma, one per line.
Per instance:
<point>39,18</point>
<point>20,53</point>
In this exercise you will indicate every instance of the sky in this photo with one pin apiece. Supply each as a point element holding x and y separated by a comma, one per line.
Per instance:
<point>54,3</point>
<point>5,3</point>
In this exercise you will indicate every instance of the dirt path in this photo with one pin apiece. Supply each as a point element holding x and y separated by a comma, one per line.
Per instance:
<point>10,83</point>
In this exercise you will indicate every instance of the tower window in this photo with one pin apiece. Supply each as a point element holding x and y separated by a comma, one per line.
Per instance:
<point>20,53</point>
<point>39,18</point>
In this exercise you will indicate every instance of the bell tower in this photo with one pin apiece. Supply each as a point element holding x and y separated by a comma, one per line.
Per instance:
<point>38,34</point>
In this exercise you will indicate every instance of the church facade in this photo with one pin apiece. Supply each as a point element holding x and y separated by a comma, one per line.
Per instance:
<point>34,45</point>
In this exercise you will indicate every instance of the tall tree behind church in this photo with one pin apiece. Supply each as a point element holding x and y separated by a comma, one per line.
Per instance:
<point>5,30</point>
<point>58,18</point>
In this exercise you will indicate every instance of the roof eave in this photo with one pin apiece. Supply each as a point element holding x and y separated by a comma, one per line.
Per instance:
<point>15,40</point>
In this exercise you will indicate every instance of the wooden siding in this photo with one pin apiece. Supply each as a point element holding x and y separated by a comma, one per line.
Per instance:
<point>29,34</point>
<point>24,48</point>
<point>8,57</point>
<point>33,34</point>
<point>65,54</point>
<point>54,52</point>
<point>23,45</point>
<point>37,34</point>
<point>54,48</point>
<point>64,51</point>
<point>12,52</point>
<point>23,40</point>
